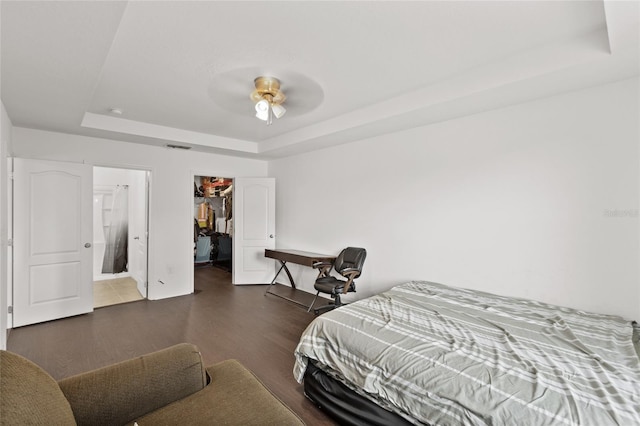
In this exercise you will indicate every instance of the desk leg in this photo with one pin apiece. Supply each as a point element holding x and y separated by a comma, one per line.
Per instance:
<point>283,265</point>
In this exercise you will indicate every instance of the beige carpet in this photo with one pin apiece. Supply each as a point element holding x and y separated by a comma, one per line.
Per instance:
<point>113,292</point>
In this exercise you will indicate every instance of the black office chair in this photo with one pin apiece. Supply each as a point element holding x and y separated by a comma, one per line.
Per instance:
<point>348,264</point>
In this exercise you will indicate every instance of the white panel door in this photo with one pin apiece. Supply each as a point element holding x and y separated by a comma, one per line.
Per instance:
<point>9,271</point>
<point>254,229</point>
<point>138,228</point>
<point>52,240</point>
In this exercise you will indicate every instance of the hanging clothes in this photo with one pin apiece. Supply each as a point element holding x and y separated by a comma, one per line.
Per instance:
<point>228,227</point>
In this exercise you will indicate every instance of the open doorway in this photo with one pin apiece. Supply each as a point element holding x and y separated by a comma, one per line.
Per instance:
<point>120,217</point>
<point>213,221</point>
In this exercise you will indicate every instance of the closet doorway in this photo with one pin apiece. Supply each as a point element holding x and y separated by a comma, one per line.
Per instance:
<point>120,234</point>
<point>212,221</point>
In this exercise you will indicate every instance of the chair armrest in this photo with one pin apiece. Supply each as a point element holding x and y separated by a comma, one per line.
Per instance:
<point>323,268</point>
<point>318,265</point>
<point>351,274</point>
<point>123,392</point>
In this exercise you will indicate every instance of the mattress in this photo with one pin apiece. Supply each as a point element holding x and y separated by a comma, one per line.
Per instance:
<point>448,356</point>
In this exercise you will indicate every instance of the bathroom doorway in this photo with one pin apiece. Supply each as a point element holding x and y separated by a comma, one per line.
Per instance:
<point>120,218</point>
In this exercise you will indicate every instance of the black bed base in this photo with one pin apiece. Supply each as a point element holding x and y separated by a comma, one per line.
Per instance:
<point>344,405</point>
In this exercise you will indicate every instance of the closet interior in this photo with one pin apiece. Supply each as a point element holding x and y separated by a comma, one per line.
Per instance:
<point>213,221</point>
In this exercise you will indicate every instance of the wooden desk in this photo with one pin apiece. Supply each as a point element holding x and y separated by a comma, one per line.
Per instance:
<point>298,257</point>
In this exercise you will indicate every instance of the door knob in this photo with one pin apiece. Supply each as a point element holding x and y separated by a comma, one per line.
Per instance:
<point>87,245</point>
<point>136,238</point>
<point>271,236</point>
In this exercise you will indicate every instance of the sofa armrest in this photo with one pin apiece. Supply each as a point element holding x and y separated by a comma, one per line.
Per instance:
<point>122,392</point>
<point>235,396</point>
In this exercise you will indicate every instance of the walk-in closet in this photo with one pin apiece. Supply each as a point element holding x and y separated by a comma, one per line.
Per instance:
<point>213,221</point>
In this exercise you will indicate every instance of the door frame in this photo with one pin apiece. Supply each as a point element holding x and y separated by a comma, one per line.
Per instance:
<point>149,196</point>
<point>10,215</point>
<point>189,241</point>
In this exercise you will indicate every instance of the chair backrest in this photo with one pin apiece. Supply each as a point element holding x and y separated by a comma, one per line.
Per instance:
<point>351,257</point>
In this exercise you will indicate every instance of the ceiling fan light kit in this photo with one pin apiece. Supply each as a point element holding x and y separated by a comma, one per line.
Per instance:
<point>268,99</point>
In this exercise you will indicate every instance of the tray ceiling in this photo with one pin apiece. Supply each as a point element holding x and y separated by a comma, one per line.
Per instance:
<point>182,72</point>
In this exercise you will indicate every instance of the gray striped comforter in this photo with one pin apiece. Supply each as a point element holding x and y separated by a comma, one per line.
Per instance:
<point>449,356</point>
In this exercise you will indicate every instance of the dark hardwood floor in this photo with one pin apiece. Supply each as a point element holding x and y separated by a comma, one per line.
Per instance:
<point>223,320</point>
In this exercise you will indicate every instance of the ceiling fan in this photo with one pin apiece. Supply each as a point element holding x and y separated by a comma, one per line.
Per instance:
<point>230,90</point>
<point>268,98</point>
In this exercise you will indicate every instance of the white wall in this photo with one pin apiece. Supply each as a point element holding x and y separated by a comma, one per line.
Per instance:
<point>5,147</point>
<point>171,192</point>
<point>538,200</point>
<point>110,176</point>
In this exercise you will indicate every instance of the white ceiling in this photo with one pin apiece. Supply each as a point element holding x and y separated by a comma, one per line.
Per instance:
<point>182,71</point>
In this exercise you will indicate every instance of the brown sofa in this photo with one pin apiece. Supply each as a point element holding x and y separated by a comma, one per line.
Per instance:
<point>167,387</point>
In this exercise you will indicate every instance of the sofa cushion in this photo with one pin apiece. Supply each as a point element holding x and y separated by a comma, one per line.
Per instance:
<point>28,395</point>
<point>122,392</point>
<point>233,397</point>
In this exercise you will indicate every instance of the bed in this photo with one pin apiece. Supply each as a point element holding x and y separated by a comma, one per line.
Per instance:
<point>427,353</point>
